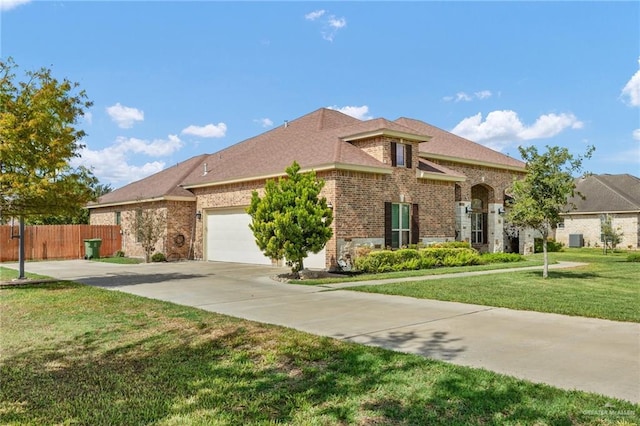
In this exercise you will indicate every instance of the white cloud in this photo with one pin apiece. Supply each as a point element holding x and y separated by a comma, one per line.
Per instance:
<point>264,122</point>
<point>330,24</point>
<point>111,165</point>
<point>503,128</point>
<point>11,4</point>
<point>312,16</point>
<point>124,116</point>
<point>337,23</point>
<point>631,90</point>
<point>463,96</point>
<point>155,148</point>
<point>88,117</point>
<point>483,94</point>
<point>359,112</point>
<point>207,131</point>
<point>636,134</point>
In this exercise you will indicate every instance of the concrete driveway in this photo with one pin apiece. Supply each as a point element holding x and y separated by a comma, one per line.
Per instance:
<point>568,352</point>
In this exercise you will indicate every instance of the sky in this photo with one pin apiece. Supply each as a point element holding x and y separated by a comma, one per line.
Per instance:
<point>170,80</point>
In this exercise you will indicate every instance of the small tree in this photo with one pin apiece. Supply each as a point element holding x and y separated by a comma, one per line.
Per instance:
<point>611,236</point>
<point>38,136</point>
<point>149,226</point>
<point>540,198</point>
<point>291,220</point>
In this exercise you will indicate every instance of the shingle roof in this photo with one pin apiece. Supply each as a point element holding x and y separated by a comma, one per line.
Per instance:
<point>314,140</point>
<point>607,193</point>
<point>318,139</point>
<point>165,183</point>
<point>447,144</point>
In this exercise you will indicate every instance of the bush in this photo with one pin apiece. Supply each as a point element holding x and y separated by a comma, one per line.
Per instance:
<point>501,257</point>
<point>633,257</point>
<point>411,259</point>
<point>552,245</point>
<point>118,253</point>
<point>158,257</point>
<point>451,244</point>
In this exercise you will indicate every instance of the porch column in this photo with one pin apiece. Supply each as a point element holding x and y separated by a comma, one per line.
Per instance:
<point>495,223</point>
<point>463,221</point>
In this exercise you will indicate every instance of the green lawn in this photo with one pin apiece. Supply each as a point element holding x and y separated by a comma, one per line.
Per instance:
<point>119,260</point>
<point>74,354</point>
<point>609,288</point>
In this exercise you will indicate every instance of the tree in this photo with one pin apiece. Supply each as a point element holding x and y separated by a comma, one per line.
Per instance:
<point>540,198</point>
<point>149,226</point>
<point>611,236</point>
<point>291,220</point>
<point>78,217</point>
<point>38,136</point>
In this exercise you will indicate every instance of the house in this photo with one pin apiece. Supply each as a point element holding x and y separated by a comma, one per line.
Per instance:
<point>391,184</point>
<point>617,196</point>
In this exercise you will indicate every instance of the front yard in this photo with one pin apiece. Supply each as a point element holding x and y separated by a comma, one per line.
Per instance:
<point>74,354</point>
<point>607,288</point>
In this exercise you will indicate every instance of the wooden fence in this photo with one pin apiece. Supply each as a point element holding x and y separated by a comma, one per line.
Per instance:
<point>57,241</point>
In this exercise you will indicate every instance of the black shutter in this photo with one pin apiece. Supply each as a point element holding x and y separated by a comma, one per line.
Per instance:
<point>393,154</point>
<point>388,236</point>
<point>485,228</point>
<point>415,225</point>
<point>407,153</point>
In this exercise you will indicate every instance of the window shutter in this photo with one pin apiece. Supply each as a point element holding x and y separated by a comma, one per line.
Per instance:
<point>388,236</point>
<point>393,156</point>
<point>407,152</point>
<point>415,225</point>
<point>485,228</point>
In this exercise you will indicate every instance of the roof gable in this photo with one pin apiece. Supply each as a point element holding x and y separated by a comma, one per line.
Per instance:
<point>446,144</point>
<point>607,193</point>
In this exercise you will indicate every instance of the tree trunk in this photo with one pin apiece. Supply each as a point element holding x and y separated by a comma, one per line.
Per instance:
<point>545,269</point>
<point>21,250</point>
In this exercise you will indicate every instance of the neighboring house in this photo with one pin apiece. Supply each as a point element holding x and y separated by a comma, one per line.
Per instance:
<point>615,195</point>
<point>391,184</point>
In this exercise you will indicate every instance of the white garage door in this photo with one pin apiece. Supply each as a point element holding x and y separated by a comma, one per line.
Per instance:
<point>229,239</point>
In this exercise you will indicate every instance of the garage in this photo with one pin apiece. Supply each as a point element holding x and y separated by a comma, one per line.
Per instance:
<point>229,239</point>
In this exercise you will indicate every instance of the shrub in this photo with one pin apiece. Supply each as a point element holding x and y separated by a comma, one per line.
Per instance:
<point>118,253</point>
<point>552,245</point>
<point>158,257</point>
<point>411,259</point>
<point>451,244</point>
<point>501,257</point>
<point>633,257</point>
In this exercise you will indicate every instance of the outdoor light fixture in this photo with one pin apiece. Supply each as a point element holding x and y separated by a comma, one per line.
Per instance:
<point>198,215</point>
<point>329,205</point>
<point>468,210</point>
<point>500,210</point>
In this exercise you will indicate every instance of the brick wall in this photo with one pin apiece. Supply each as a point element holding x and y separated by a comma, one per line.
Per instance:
<point>180,217</point>
<point>589,227</point>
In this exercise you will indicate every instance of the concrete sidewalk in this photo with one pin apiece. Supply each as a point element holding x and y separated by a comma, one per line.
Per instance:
<point>568,352</point>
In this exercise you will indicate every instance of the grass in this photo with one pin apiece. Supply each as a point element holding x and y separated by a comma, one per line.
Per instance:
<point>607,288</point>
<point>119,260</point>
<point>74,354</point>
<point>8,274</point>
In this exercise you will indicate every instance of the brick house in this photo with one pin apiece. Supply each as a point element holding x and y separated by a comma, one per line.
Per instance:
<point>615,195</point>
<point>391,183</point>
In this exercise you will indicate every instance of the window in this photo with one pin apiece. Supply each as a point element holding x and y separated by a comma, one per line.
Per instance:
<point>477,230</point>
<point>401,224</point>
<point>400,155</point>
<point>118,218</point>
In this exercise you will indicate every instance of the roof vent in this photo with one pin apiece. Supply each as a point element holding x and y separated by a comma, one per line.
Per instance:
<point>205,171</point>
<point>286,123</point>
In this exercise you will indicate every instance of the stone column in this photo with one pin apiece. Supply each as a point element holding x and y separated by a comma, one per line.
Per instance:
<point>495,223</point>
<point>463,221</point>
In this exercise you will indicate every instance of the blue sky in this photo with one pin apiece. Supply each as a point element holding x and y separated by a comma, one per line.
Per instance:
<point>170,80</point>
